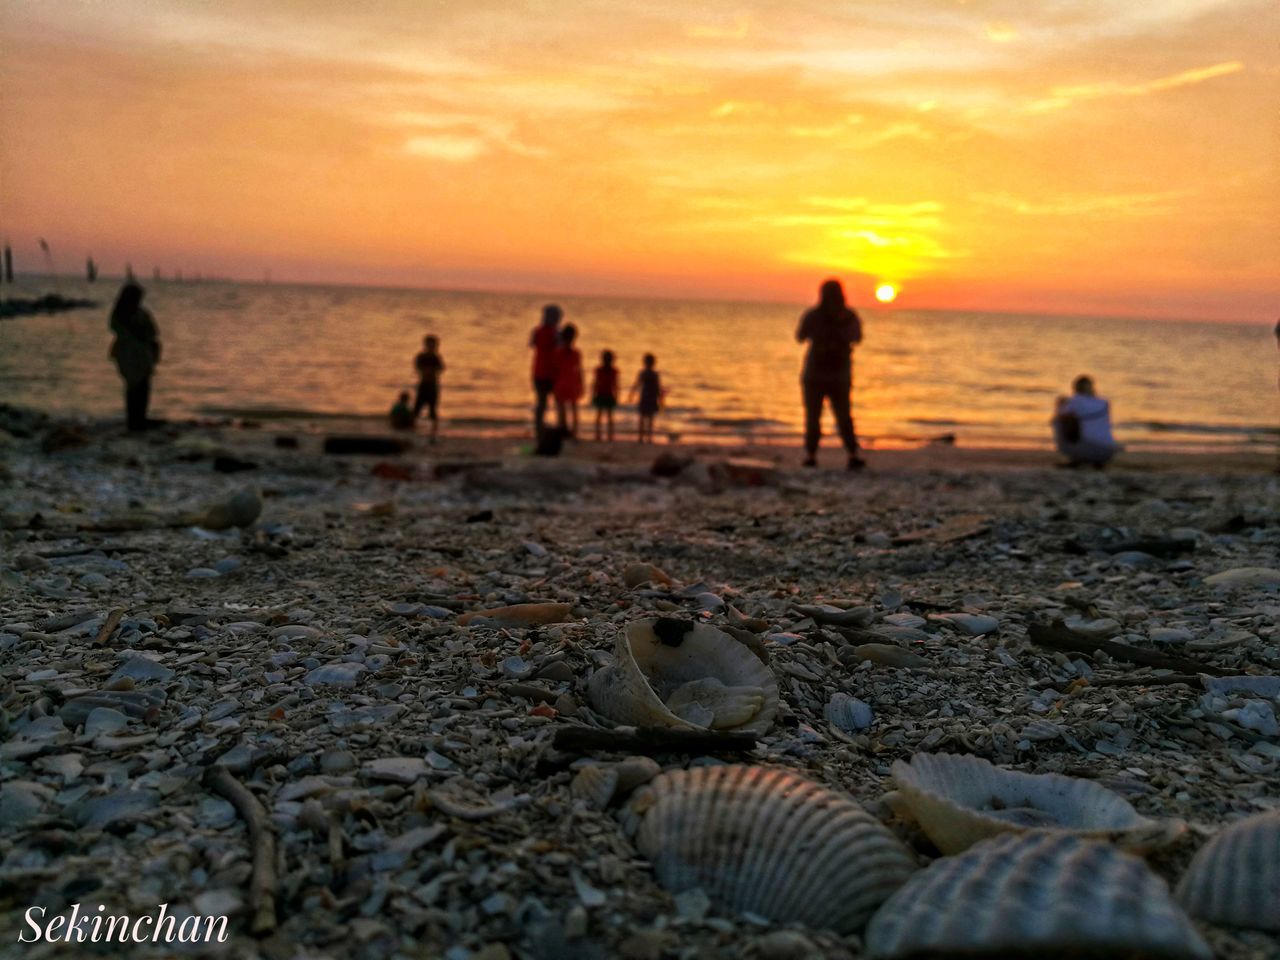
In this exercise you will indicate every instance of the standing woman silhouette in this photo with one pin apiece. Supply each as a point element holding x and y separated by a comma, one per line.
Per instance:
<point>136,351</point>
<point>832,330</point>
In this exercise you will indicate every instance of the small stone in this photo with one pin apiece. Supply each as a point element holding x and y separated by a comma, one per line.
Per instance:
<point>121,806</point>
<point>228,565</point>
<point>395,769</point>
<point>889,655</point>
<point>1100,629</point>
<point>104,720</point>
<point>140,668</point>
<point>970,624</point>
<point>1245,577</point>
<point>336,675</point>
<point>202,573</point>
<point>787,945</point>
<point>693,905</point>
<point>1170,635</point>
<point>337,761</point>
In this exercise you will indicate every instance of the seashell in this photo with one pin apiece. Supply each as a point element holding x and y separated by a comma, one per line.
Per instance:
<point>1042,894</point>
<point>519,615</point>
<point>959,800</point>
<point>638,574</point>
<point>829,616</point>
<point>596,785</point>
<point>848,713</point>
<point>1234,879</point>
<point>673,673</point>
<point>767,842</point>
<point>1040,731</point>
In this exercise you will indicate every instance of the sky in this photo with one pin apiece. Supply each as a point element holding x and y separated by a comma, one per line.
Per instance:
<point>1070,156</point>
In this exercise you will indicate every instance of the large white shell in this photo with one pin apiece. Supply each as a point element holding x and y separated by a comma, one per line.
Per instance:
<point>767,842</point>
<point>672,673</point>
<point>959,800</point>
<point>1039,894</point>
<point>1234,879</point>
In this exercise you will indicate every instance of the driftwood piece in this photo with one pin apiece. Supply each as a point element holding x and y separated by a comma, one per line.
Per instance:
<point>108,628</point>
<point>1056,636</point>
<point>650,740</point>
<point>262,883</point>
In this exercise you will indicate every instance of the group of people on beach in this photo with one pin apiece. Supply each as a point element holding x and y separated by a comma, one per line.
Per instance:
<point>557,373</point>
<point>1081,423</point>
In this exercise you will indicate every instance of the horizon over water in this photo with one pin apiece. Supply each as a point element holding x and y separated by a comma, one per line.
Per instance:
<point>286,351</point>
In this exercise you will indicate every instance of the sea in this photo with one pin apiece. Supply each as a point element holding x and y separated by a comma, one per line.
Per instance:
<point>304,355</point>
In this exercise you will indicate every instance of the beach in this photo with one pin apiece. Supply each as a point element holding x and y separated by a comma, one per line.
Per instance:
<point>404,755</point>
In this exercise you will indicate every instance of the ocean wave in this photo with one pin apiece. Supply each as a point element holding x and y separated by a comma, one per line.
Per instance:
<point>1217,429</point>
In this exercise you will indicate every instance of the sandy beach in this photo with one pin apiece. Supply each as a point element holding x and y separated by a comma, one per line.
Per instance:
<point>404,756</point>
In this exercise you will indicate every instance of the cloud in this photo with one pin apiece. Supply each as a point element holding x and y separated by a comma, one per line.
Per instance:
<point>454,148</point>
<point>737,30</point>
<point>1125,204</point>
<point>462,137</point>
<point>1064,96</point>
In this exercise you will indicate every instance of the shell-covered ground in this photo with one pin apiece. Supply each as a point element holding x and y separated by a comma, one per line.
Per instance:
<point>405,760</point>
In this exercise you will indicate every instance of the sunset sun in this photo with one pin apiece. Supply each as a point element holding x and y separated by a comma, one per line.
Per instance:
<point>886,293</point>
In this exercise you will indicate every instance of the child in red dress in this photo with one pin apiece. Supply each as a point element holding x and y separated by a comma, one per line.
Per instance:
<point>568,389</point>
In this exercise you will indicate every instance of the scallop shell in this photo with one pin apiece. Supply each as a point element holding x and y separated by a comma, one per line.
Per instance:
<point>767,842</point>
<point>848,713</point>
<point>1234,879</point>
<point>1040,894</point>
<point>959,800</point>
<point>672,673</point>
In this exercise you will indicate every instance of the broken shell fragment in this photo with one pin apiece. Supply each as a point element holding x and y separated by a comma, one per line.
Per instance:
<point>1234,879</point>
<point>519,615</point>
<point>638,574</point>
<point>595,785</point>
<point>767,842</point>
<point>1042,894</point>
<point>959,800</point>
<point>673,673</point>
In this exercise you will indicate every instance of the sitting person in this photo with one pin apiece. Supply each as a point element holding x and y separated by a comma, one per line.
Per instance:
<point>1082,427</point>
<point>402,415</point>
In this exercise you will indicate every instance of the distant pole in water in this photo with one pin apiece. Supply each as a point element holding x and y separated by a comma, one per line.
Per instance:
<point>91,269</point>
<point>48,255</point>
<point>128,271</point>
<point>8,264</point>
<point>155,273</point>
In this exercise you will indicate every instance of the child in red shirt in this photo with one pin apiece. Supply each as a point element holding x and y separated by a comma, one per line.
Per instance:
<point>568,389</point>
<point>604,392</point>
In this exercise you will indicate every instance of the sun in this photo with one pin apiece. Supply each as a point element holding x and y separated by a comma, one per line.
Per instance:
<point>886,293</point>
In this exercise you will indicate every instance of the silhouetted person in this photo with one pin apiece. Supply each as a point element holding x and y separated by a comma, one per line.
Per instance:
<point>649,386</point>
<point>403,416</point>
<point>568,380</point>
<point>136,351</point>
<point>545,341</point>
<point>832,330</point>
<point>429,365</point>
<point>604,392</point>
<point>1082,426</point>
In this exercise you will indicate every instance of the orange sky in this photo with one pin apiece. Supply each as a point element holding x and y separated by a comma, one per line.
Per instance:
<point>1084,157</point>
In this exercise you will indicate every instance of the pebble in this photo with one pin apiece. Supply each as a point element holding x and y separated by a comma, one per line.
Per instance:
<point>970,624</point>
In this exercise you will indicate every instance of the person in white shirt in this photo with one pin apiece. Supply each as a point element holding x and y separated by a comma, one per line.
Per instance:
<point>1082,426</point>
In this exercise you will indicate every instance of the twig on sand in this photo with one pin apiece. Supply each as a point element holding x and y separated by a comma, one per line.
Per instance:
<point>262,884</point>
<point>1056,636</point>
<point>650,740</point>
<point>1166,680</point>
<point>108,628</point>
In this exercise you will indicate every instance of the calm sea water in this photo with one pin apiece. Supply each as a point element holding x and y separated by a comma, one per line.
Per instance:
<point>731,369</point>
